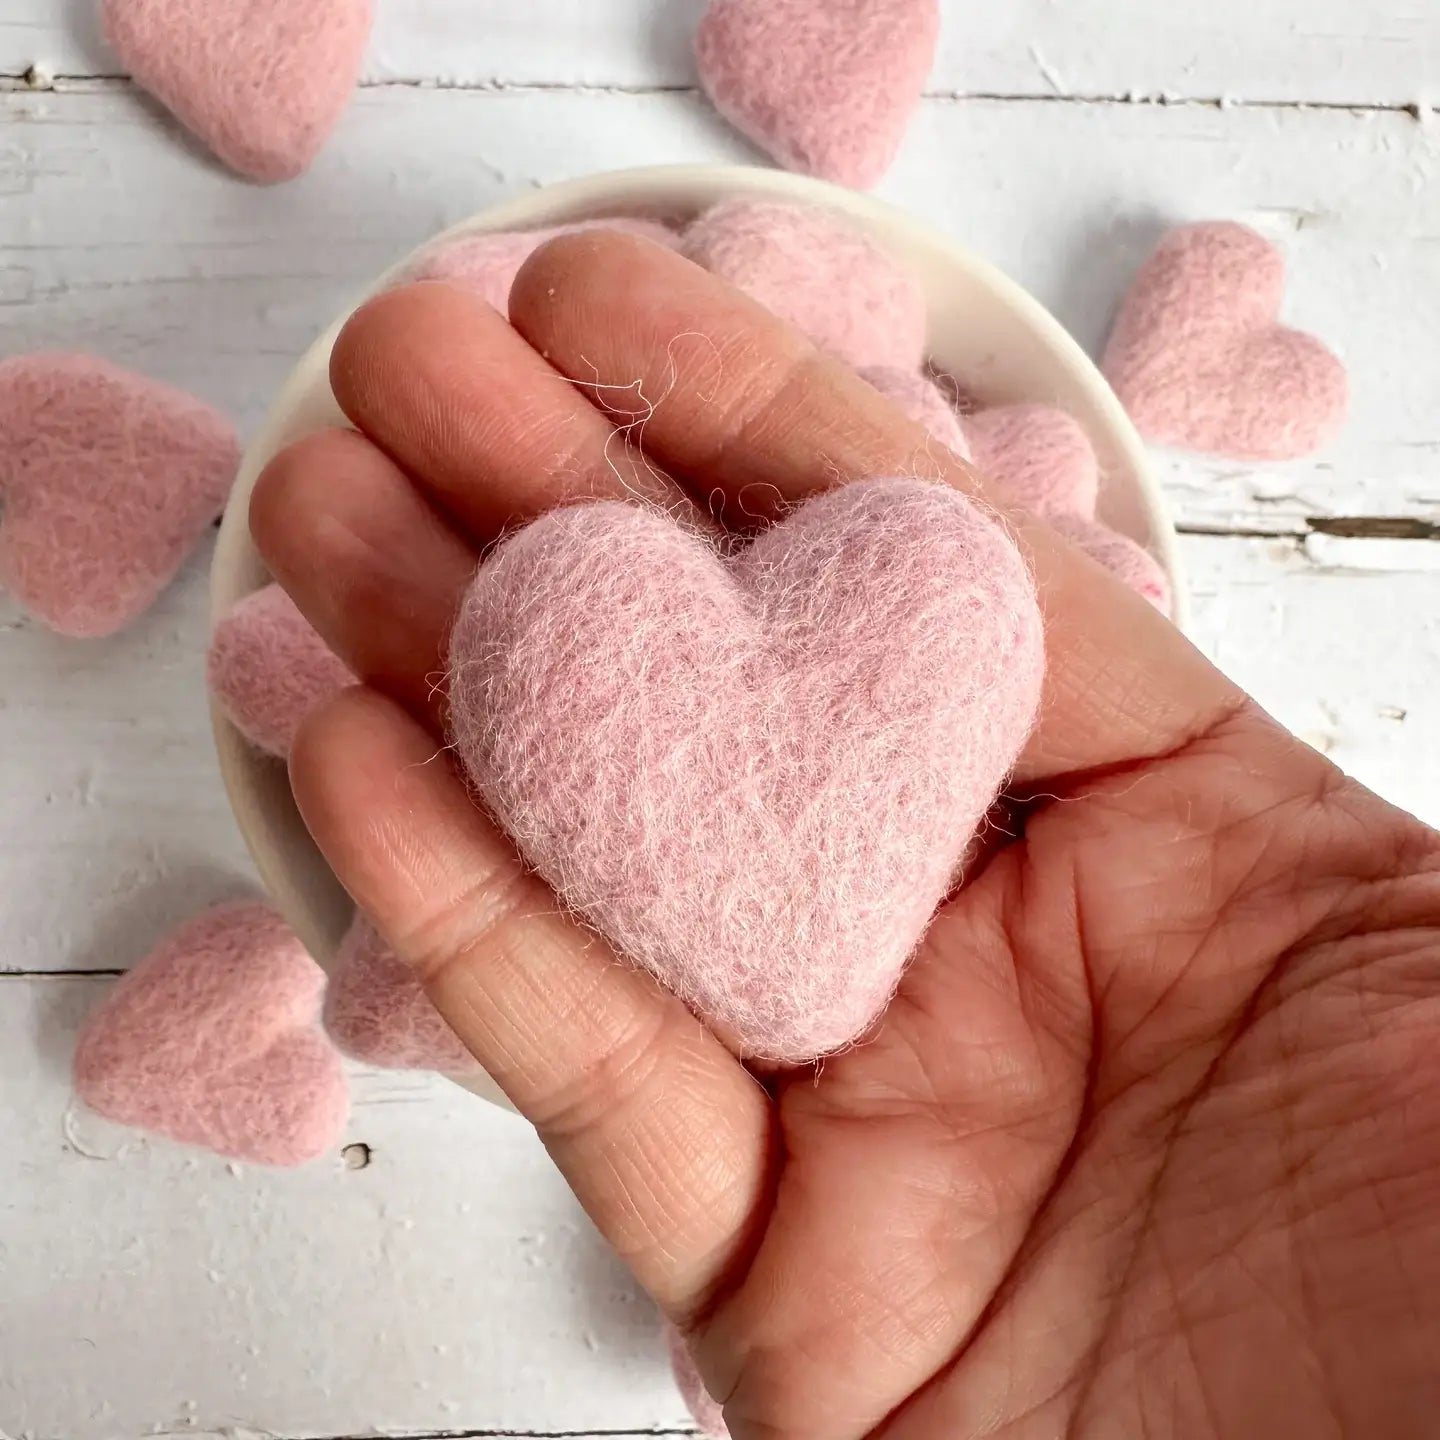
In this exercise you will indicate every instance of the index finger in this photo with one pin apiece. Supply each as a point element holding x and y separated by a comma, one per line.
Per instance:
<point>744,410</point>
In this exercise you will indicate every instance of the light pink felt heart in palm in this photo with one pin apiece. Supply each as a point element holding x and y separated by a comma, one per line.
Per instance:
<point>823,86</point>
<point>261,82</point>
<point>1130,563</point>
<point>755,774</point>
<point>920,399</point>
<point>211,1040</point>
<point>107,481</point>
<point>1036,458</point>
<point>377,1011</point>
<point>1200,360</point>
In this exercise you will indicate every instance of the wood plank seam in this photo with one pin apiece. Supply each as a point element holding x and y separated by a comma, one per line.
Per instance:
<point>42,81</point>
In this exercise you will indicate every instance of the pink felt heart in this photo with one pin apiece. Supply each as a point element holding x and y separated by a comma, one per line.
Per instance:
<point>261,82</point>
<point>107,481</point>
<point>1038,459</point>
<point>823,86</point>
<point>268,668</point>
<point>920,399</point>
<point>1121,556</point>
<point>756,774</point>
<point>377,1012</point>
<point>489,263</point>
<point>704,1410</point>
<point>819,272</point>
<point>1035,458</point>
<point>1199,359</point>
<point>211,1040</point>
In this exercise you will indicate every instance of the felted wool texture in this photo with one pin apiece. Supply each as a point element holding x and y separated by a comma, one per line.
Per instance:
<point>921,400</point>
<point>1038,459</point>
<point>816,270</point>
<point>107,481</point>
<point>261,82</point>
<point>377,1012</point>
<point>268,668</point>
<point>704,1410</point>
<point>1120,555</point>
<point>822,86</point>
<point>755,773</point>
<point>211,1040</point>
<point>488,264</point>
<point>1200,360</point>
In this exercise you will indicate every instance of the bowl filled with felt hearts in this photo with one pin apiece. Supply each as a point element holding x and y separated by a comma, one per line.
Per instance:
<point>677,870</point>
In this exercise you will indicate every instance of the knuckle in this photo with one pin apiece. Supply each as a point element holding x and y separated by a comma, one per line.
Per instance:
<point>469,924</point>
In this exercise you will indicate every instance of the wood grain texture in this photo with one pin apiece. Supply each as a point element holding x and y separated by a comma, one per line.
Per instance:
<point>1384,52</point>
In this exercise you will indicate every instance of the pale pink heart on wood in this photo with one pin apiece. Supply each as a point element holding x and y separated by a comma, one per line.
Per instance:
<point>757,773</point>
<point>820,272</point>
<point>488,263</point>
<point>267,667</point>
<point>377,1012</point>
<point>261,82</point>
<point>107,482</point>
<point>822,86</point>
<point>1199,358</point>
<point>1038,458</point>
<point>212,1040</point>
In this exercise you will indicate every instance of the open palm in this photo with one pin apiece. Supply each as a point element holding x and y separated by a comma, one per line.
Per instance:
<point>1148,1142</point>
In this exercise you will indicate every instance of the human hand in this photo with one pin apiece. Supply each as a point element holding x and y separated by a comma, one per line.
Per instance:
<point>1148,1142</point>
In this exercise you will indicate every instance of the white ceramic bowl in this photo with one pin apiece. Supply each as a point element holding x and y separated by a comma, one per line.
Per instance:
<point>982,327</point>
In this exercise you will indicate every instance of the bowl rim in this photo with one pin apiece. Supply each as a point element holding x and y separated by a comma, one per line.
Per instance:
<point>651,189</point>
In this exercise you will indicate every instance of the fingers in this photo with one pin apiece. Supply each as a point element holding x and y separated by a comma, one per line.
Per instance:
<point>374,569</point>
<point>747,411</point>
<point>661,1133</point>
<point>490,433</point>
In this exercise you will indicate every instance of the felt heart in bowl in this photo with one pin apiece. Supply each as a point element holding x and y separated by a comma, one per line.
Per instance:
<point>377,1011</point>
<point>823,86</point>
<point>211,1040</point>
<point>1200,360</point>
<point>756,773</point>
<point>107,480</point>
<point>268,667</point>
<point>489,262</point>
<point>820,272</point>
<point>1039,459</point>
<point>261,82</point>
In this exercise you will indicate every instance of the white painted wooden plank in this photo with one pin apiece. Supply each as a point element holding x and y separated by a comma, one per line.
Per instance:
<point>1340,641</point>
<point>114,824</point>
<point>113,238</point>
<point>1334,51</point>
<point>451,1284</point>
